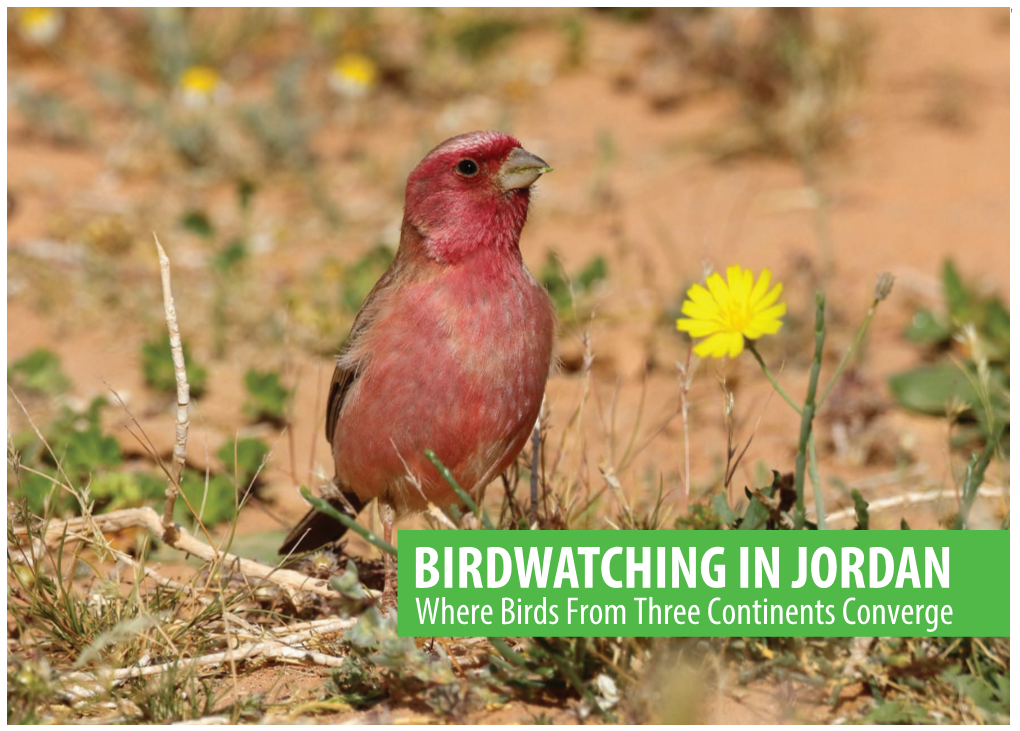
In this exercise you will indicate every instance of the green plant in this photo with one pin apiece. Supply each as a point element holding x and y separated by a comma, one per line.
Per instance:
<point>807,460</point>
<point>40,372</point>
<point>80,452</point>
<point>158,368</point>
<point>970,378</point>
<point>52,115</point>
<point>197,222</point>
<point>245,457</point>
<point>481,35</point>
<point>266,398</point>
<point>563,289</point>
<point>357,280</point>
<point>210,499</point>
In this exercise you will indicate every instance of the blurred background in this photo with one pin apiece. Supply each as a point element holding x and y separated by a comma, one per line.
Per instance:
<point>268,150</point>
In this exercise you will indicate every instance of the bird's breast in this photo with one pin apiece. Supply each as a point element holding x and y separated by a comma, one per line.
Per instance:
<point>458,365</point>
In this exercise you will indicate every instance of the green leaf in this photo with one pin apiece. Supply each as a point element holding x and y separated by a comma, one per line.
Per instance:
<point>595,271</point>
<point>250,454</point>
<point>158,367</point>
<point>997,323</point>
<point>959,298</point>
<point>861,509</point>
<point>480,36</point>
<point>39,371</point>
<point>198,223</point>
<point>116,490</point>
<point>722,509</point>
<point>928,329</point>
<point>246,190</point>
<point>219,502</point>
<point>992,697</point>
<point>36,490</point>
<point>931,389</point>
<point>756,516</point>
<point>69,422</point>
<point>357,280</point>
<point>88,450</point>
<point>898,712</point>
<point>552,278</point>
<point>704,517</point>
<point>267,398</point>
<point>230,257</point>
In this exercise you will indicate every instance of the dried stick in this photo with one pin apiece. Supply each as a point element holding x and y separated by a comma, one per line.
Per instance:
<point>686,376</point>
<point>913,498</point>
<point>536,446</point>
<point>161,580</point>
<point>183,398</point>
<point>290,581</point>
<point>269,649</point>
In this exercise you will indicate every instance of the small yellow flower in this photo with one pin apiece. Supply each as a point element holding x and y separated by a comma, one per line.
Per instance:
<point>731,310</point>
<point>200,79</point>
<point>40,25</point>
<point>199,86</point>
<point>353,74</point>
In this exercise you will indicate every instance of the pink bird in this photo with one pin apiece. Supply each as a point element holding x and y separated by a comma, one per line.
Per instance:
<point>450,351</point>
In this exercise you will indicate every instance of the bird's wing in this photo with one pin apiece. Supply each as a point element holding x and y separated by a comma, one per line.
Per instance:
<point>346,371</point>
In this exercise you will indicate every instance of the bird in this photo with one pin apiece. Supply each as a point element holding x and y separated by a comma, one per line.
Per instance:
<point>450,351</point>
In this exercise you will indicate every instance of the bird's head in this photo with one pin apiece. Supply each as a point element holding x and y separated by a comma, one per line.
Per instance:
<point>470,193</point>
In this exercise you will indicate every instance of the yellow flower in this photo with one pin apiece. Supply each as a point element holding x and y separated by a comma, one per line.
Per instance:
<point>40,25</point>
<point>200,80</point>
<point>200,87</point>
<point>353,74</point>
<point>731,310</point>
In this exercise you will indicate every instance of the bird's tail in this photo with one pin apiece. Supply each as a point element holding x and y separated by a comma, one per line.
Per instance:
<point>317,529</point>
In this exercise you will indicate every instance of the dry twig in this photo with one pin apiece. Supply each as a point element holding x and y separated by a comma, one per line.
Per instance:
<point>270,649</point>
<point>183,398</point>
<point>291,581</point>
<point>913,498</point>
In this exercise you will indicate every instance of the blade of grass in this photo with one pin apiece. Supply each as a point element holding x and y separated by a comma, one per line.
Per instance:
<point>461,493</point>
<point>975,475</point>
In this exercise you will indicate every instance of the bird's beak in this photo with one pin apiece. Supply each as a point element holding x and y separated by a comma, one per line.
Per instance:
<point>521,169</point>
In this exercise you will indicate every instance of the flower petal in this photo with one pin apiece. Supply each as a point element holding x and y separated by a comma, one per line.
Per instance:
<point>772,313</point>
<point>719,290</point>
<point>761,287</point>
<point>710,347</point>
<point>738,284</point>
<point>700,311</point>
<point>699,295</point>
<point>766,322</point>
<point>697,328</point>
<point>771,297</point>
<point>736,344</point>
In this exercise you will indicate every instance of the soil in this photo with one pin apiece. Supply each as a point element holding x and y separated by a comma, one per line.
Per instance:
<point>906,192</point>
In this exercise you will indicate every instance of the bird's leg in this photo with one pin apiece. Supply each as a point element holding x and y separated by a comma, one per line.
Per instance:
<point>389,568</point>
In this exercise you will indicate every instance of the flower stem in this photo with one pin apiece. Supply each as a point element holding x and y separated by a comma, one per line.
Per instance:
<point>807,415</point>
<point>816,482</point>
<point>858,339</point>
<point>772,379</point>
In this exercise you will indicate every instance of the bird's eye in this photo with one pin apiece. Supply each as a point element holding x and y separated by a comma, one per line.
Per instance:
<point>467,168</point>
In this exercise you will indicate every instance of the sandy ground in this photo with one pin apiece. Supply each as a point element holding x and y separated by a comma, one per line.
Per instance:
<point>906,193</point>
